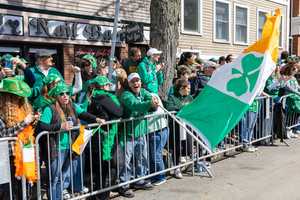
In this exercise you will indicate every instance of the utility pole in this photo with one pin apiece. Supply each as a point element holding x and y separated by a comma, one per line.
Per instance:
<point>114,38</point>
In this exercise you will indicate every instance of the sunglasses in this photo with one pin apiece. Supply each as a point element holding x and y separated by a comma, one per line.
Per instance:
<point>185,86</point>
<point>64,93</point>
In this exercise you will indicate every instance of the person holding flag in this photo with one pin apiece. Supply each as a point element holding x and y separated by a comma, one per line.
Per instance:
<point>105,105</point>
<point>233,87</point>
<point>61,115</point>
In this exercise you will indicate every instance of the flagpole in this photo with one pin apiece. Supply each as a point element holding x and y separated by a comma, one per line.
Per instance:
<point>114,38</point>
<point>186,129</point>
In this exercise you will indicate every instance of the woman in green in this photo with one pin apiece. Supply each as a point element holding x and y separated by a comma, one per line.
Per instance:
<point>292,87</point>
<point>175,102</point>
<point>105,105</point>
<point>61,116</point>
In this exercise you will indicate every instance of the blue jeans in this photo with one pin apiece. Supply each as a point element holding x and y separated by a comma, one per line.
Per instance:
<point>247,126</point>
<point>73,179</point>
<point>157,141</point>
<point>61,173</point>
<point>136,149</point>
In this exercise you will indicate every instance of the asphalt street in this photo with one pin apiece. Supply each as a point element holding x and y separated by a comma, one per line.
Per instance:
<point>271,173</point>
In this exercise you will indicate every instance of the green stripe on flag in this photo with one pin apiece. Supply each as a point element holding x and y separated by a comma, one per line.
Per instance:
<point>213,114</point>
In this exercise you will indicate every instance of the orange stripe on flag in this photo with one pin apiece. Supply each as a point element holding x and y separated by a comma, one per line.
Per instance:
<point>270,37</point>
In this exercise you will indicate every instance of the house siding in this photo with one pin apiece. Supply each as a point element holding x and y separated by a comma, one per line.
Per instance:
<point>205,43</point>
<point>133,10</point>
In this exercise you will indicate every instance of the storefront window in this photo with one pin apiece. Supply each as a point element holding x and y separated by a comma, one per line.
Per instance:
<point>29,51</point>
<point>98,52</point>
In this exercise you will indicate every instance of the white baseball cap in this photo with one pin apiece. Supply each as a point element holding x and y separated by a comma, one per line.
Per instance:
<point>153,51</point>
<point>132,76</point>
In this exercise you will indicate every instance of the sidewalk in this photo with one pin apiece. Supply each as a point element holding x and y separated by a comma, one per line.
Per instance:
<point>270,173</point>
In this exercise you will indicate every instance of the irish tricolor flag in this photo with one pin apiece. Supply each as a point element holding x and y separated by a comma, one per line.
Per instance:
<point>83,138</point>
<point>233,87</point>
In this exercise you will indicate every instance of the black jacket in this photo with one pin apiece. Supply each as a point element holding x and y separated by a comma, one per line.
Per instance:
<point>103,107</point>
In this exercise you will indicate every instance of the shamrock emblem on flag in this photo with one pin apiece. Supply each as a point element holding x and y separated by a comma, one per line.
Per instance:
<point>245,80</point>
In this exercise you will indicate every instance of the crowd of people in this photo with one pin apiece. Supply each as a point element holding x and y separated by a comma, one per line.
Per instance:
<point>39,96</point>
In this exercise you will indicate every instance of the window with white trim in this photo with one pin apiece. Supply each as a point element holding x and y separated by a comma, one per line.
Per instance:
<point>280,32</point>
<point>222,21</point>
<point>241,24</point>
<point>191,16</point>
<point>261,21</point>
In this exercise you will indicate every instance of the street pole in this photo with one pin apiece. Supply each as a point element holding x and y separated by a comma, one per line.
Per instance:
<point>114,38</point>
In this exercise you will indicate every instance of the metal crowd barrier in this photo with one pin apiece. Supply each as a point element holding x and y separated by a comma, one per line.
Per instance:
<point>160,148</point>
<point>10,187</point>
<point>291,117</point>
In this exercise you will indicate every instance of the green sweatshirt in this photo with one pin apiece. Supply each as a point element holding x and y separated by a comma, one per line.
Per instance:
<point>151,79</point>
<point>136,106</point>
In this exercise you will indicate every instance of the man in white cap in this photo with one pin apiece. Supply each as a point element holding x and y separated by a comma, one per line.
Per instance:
<point>34,75</point>
<point>136,102</point>
<point>150,71</point>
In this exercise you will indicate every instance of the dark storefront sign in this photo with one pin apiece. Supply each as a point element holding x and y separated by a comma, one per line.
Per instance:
<point>40,27</point>
<point>69,30</point>
<point>11,25</point>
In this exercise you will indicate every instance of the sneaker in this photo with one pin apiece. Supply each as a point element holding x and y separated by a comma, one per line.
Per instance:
<point>143,186</point>
<point>292,135</point>
<point>125,192</point>
<point>289,134</point>
<point>178,174</point>
<point>157,183</point>
<point>84,190</point>
<point>66,194</point>
<point>249,149</point>
<point>182,160</point>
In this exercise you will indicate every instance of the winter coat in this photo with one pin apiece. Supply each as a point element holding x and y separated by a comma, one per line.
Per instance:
<point>151,79</point>
<point>106,105</point>
<point>136,106</point>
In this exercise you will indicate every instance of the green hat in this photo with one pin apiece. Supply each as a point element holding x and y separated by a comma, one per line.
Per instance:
<point>92,60</point>
<point>15,86</point>
<point>51,78</point>
<point>7,57</point>
<point>61,87</point>
<point>101,80</point>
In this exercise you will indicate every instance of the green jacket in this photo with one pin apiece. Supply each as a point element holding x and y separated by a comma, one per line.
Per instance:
<point>47,117</point>
<point>151,79</point>
<point>40,103</point>
<point>254,107</point>
<point>176,102</point>
<point>272,86</point>
<point>38,77</point>
<point>293,103</point>
<point>136,106</point>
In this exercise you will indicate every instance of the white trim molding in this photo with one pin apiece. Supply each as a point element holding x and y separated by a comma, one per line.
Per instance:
<point>200,9</point>
<point>258,10</point>
<point>282,2</point>
<point>229,22</point>
<point>234,24</point>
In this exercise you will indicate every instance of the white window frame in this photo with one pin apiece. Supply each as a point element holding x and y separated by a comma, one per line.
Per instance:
<point>200,20</point>
<point>229,22</point>
<point>234,24</point>
<point>282,25</point>
<point>257,19</point>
